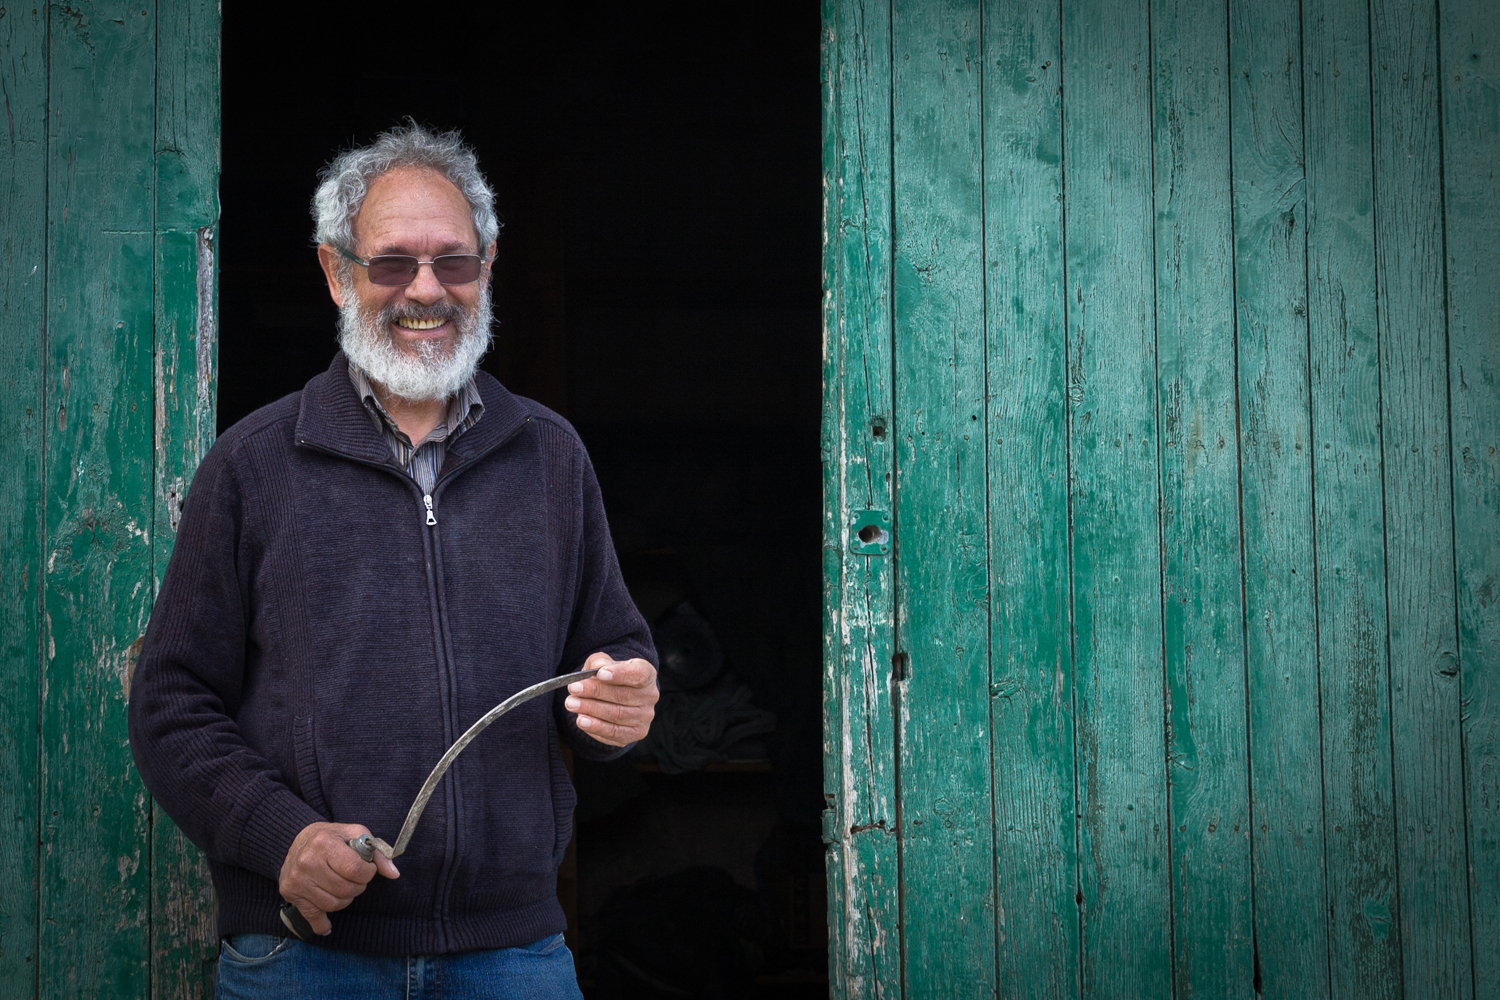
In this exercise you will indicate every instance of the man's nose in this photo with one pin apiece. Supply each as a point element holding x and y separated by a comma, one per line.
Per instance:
<point>425,288</point>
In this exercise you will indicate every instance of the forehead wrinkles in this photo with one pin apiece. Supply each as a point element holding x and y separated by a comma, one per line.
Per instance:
<point>407,205</point>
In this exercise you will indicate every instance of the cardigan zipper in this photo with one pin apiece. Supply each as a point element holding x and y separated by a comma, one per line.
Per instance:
<point>445,671</point>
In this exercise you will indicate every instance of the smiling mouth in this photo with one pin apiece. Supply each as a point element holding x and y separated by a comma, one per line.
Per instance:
<point>412,323</point>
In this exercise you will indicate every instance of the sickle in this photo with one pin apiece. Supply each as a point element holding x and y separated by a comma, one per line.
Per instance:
<point>366,845</point>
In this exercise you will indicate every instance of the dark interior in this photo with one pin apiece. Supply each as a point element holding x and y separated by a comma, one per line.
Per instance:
<point>658,283</point>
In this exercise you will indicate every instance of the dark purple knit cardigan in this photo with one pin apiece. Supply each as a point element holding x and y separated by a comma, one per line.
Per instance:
<point>316,646</point>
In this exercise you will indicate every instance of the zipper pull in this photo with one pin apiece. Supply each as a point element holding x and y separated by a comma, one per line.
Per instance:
<point>431,517</point>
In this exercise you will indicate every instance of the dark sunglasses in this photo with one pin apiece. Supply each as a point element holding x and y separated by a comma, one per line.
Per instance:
<point>398,269</point>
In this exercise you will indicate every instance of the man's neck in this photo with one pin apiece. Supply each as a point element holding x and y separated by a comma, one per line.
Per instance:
<point>415,418</point>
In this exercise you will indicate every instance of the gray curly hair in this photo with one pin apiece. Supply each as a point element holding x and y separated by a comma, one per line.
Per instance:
<point>347,179</point>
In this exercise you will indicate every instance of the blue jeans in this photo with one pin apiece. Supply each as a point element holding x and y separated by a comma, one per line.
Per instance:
<point>262,966</point>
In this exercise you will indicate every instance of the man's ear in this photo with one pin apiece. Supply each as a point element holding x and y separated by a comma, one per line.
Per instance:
<point>329,258</point>
<point>489,254</point>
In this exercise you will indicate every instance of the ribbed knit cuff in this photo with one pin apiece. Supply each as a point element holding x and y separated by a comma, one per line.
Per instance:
<point>267,831</point>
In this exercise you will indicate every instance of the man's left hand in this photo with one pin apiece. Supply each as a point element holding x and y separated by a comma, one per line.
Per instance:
<point>615,705</point>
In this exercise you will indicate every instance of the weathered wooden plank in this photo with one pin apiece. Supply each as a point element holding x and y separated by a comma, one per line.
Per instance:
<point>1427,754</point>
<point>1207,749</point>
<point>187,180</point>
<point>183,932</point>
<point>860,768</point>
<point>1036,860</point>
<point>1123,849</point>
<point>97,473</point>
<point>942,610</point>
<point>1270,227</point>
<point>1364,954</point>
<point>1469,48</point>
<point>23,286</point>
<point>830,447</point>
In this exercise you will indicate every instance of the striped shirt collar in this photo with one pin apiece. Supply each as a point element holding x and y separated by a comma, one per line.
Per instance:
<point>423,459</point>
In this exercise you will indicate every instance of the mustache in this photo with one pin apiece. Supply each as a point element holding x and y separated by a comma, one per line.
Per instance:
<point>440,311</point>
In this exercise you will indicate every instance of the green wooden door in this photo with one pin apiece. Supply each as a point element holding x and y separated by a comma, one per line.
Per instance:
<point>1167,336</point>
<point>108,208</point>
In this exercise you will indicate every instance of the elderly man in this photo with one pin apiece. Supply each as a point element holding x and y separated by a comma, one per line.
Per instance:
<point>363,569</point>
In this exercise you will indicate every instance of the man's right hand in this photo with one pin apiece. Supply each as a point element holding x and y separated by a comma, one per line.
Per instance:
<point>322,873</point>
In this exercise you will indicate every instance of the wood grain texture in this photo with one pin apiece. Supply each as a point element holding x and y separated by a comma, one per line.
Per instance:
<point>859,417</point>
<point>1036,911</point>
<point>1427,754</point>
<point>1203,624</point>
<point>1270,228</point>
<point>1256,203</point>
<point>1469,57</point>
<point>1127,918</point>
<point>95,863</point>
<point>184,936</point>
<point>1362,666</point>
<point>942,616</point>
<point>1349,529</point>
<point>830,451</point>
<point>23,287</point>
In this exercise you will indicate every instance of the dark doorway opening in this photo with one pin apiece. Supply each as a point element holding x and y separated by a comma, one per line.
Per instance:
<point>658,284</point>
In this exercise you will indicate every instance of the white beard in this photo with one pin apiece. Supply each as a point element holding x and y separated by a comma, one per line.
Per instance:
<point>434,371</point>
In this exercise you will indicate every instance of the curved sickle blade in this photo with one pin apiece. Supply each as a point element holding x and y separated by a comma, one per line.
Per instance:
<point>519,698</point>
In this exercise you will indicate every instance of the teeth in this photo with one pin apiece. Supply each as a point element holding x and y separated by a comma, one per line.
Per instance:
<point>408,323</point>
